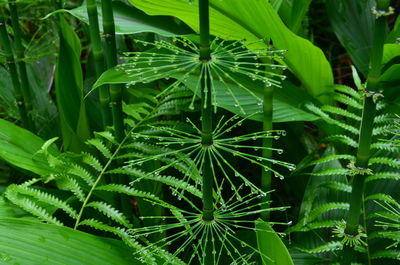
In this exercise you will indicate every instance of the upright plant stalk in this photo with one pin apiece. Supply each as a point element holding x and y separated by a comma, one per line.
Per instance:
<point>266,175</point>
<point>21,104</point>
<point>111,57</point>
<point>115,92</point>
<point>206,110</point>
<point>366,128</point>
<point>98,54</point>
<point>20,56</point>
<point>206,116</point>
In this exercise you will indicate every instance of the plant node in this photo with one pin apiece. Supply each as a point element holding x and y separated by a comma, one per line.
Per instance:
<point>349,239</point>
<point>382,13</point>
<point>356,170</point>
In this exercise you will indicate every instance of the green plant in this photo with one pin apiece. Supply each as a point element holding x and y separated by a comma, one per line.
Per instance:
<point>182,174</point>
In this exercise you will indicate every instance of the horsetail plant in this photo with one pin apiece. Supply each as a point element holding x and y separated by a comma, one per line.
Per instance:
<point>98,55</point>
<point>20,56</point>
<point>112,60</point>
<point>19,96</point>
<point>366,130</point>
<point>211,226</point>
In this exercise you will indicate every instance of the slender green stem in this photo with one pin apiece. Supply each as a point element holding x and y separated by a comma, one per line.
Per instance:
<point>115,92</point>
<point>366,128</point>
<point>112,60</point>
<point>206,109</point>
<point>206,116</point>
<point>20,57</point>
<point>266,176</point>
<point>13,73</point>
<point>98,54</point>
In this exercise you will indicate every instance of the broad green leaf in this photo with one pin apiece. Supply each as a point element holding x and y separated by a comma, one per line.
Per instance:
<point>298,12</point>
<point>353,24</point>
<point>286,107</point>
<point>392,74</point>
<point>283,112</point>
<point>276,4</point>
<point>270,245</point>
<point>130,20</point>
<point>69,90</point>
<point>395,33</point>
<point>19,147</point>
<point>254,20</point>
<point>7,209</point>
<point>390,52</point>
<point>7,98</point>
<point>27,242</point>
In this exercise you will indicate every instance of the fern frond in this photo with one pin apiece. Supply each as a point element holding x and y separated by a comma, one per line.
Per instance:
<point>385,146</point>
<point>107,135</point>
<point>82,173</point>
<point>382,130</point>
<point>384,118</point>
<point>138,110</point>
<point>331,172</point>
<point>111,212</point>
<point>324,208</point>
<point>386,254</point>
<point>65,182</point>
<point>328,247</point>
<point>319,112</point>
<point>119,188</point>
<point>99,145</point>
<point>31,207</point>
<point>337,186</point>
<point>44,197</point>
<point>330,158</point>
<point>348,101</point>
<point>340,111</point>
<point>91,161</point>
<point>123,234</point>
<point>344,139</point>
<point>168,180</point>
<point>349,91</point>
<point>391,162</point>
<point>383,175</point>
<point>299,227</point>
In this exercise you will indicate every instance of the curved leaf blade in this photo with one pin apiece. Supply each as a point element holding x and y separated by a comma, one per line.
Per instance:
<point>30,242</point>
<point>14,150</point>
<point>234,20</point>
<point>270,245</point>
<point>130,20</point>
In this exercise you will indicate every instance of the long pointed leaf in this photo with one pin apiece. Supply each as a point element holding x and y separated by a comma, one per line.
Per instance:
<point>31,243</point>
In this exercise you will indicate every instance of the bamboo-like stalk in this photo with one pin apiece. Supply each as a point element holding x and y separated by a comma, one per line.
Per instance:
<point>266,176</point>
<point>206,115</point>
<point>20,58</point>
<point>98,54</point>
<point>112,60</point>
<point>206,109</point>
<point>19,97</point>
<point>366,128</point>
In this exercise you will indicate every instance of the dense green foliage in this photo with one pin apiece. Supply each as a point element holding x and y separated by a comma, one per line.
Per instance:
<point>199,132</point>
